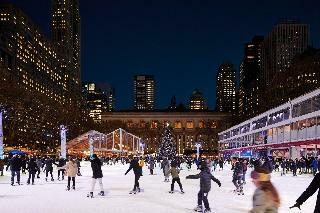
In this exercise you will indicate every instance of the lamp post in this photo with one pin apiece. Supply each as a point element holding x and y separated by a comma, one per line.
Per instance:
<point>198,145</point>
<point>63,135</point>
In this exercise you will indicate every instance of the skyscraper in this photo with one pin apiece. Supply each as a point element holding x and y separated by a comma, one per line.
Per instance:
<point>197,101</point>
<point>226,88</point>
<point>281,45</point>
<point>250,69</point>
<point>66,37</point>
<point>286,40</point>
<point>144,92</point>
<point>98,98</point>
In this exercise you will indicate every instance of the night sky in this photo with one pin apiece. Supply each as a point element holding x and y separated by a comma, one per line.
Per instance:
<point>181,42</point>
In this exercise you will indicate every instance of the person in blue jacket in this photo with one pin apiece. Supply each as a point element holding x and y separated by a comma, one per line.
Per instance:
<point>314,166</point>
<point>205,186</point>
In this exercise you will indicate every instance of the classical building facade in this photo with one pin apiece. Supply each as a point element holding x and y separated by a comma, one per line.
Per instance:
<point>188,127</point>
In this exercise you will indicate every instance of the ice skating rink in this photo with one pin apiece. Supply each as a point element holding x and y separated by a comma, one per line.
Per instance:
<point>52,197</point>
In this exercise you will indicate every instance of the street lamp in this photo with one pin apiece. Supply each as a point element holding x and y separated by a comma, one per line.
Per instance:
<point>198,145</point>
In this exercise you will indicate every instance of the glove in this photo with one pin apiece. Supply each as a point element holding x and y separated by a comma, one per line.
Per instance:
<point>219,184</point>
<point>297,205</point>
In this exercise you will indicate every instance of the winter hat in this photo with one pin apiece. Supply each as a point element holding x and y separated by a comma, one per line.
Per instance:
<point>260,176</point>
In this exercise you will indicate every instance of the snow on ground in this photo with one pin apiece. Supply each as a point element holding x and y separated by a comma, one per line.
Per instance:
<point>51,197</point>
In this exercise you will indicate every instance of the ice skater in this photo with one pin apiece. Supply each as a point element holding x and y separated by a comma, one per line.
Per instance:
<point>71,170</point>
<point>237,176</point>
<point>205,187</point>
<point>137,170</point>
<point>265,197</point>
<point>151,165</point>
<point>96,174</point>
<point>15,167</point>
<point>49,168</point>
<point>32,168</point>
<point>165,166</point>
<point>61,163</point>
<point>174,171</point>
<point>311,189</point>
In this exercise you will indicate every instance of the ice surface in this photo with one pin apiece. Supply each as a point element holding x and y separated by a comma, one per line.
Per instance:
<point>52,197</point>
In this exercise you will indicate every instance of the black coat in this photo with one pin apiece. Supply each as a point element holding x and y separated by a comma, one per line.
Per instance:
<point>96,168</point>
<point>49,164</point>
<point>312,188</point>
<point>205,180</point>
<point>15,164</point>
<point>134,164</point>
<point>32,167</point>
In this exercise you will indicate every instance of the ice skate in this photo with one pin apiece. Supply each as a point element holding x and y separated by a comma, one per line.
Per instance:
<point>171,192</point>
<point>207,210</point>
<point>198,209</point>
<point>52,179</point>
<point>101,193</point>
<point>90,195</point>
<point>133,192</point>
<point>73,187</point>
<point>68,188</point>
<point>182,192</point>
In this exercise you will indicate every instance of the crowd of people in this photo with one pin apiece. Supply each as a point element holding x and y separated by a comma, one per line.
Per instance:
<point>265,198</point>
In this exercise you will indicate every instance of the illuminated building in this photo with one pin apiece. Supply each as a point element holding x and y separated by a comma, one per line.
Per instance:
<point>250,68</point>
<point>144,92</point>
<point>286,40</point>
<point>66,38</point>
<point>226,88</point>
<point>43,81</point>
<point>197,101</point>
<point>188,127</point>
<point>98,98</point>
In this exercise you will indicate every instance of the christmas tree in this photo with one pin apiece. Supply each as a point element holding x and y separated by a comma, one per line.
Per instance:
<point>167,147</point>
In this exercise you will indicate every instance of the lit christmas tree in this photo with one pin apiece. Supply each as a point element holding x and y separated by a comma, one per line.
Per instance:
<point>167,147</point>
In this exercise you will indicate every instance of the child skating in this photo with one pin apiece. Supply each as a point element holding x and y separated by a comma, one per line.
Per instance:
<point>205,186</point>
<point>174,171</point>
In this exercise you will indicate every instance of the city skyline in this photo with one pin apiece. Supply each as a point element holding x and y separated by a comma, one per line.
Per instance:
<point>173,48</point>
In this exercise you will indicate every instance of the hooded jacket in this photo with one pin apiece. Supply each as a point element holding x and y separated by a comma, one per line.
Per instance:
<point>205,179</point>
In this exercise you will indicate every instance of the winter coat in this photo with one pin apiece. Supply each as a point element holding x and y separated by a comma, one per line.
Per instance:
<point>15,164</point>
<point>314,164</point>
<point>262,203</point>
<point>96,168</point>
<point>205,180</point>
<point>71,169</point>
<point>312,188</point>
<point>49,164</point>
<point>174,172</point>
<point>244,167</point>
<point>151,164</point>
<point>32,166</point>
<point>238,170</point>
<point>39,163</point>
<point>267,165</point>
<point>61,162</point>
<point>134,165</point>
